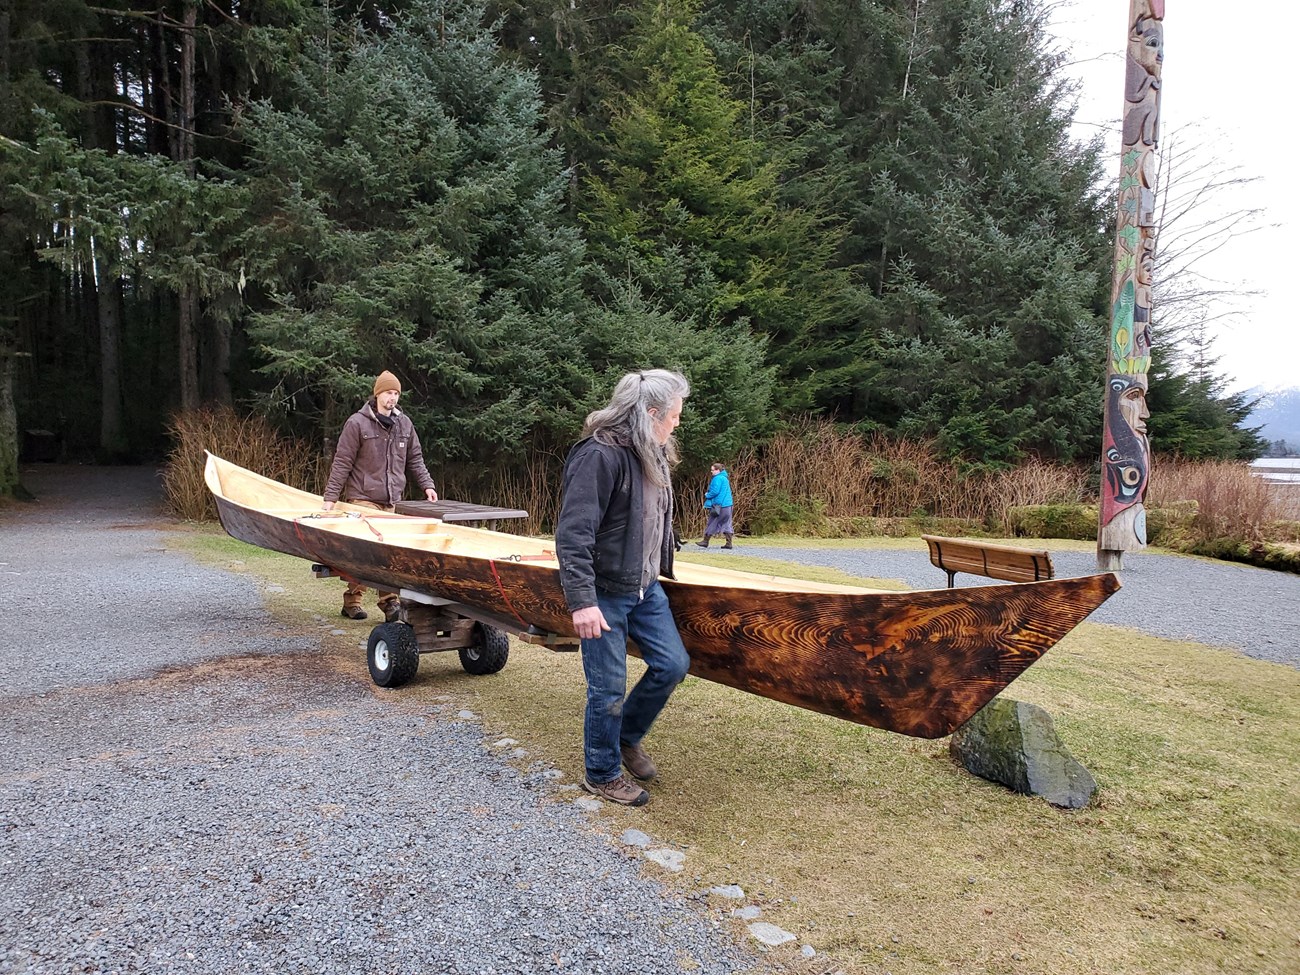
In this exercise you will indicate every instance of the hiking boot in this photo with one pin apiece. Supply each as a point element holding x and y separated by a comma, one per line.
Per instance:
<point>636,761</point>
<point>353,612</point>
<point>622,791</point>
<point>392,611</point>
<point>705,543</point>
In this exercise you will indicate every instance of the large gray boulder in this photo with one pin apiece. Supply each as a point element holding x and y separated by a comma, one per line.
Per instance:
<point>1015,744</point>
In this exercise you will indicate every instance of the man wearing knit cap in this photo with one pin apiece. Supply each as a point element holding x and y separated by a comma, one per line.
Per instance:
<point>377,450</point>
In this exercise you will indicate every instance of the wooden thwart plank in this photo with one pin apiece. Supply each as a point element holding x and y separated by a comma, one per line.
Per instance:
<point>457,510</point>
<point>990,559</point>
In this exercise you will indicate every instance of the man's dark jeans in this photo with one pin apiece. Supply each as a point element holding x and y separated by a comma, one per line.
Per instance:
<point>612,721</point>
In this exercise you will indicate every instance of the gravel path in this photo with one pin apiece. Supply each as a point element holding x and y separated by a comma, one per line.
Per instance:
<point>186,787</point>
<point>1256,611</point>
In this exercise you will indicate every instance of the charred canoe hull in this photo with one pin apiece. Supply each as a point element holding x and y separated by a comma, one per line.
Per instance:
<point>918,663</point>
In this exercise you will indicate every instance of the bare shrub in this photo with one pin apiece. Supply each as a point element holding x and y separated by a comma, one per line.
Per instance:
<point>1232,503</point>
<point>1286,501</point>
<point>249,441</point>
<point>816,466</point>
<point>850,475</point>
<point>1034,483</point>
<point>535,488</point>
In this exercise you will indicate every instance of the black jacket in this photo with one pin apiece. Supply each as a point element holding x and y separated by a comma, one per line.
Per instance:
<point>599,538</point>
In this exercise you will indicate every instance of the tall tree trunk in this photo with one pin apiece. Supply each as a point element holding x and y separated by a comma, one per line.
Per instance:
<point>112,431</point>
<point>96,83</point>
<point>9,486</point>
<point>189,319</point>
<point>6,6</point>
<point>215,363</point>
<point>187,347</point>
<point>8,417</point>
<point>186,120</point>
<point>164,98</point>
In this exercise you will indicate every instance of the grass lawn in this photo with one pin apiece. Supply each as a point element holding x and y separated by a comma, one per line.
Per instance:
<point>885,856</point>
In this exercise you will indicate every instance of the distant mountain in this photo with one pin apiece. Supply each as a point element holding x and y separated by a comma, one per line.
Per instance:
<point>1278,412</point>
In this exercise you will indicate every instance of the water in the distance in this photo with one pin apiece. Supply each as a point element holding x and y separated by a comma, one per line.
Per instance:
<point>1280,470</point>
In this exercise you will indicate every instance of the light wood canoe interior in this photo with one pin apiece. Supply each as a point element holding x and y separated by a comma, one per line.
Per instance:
<point>250,490</point>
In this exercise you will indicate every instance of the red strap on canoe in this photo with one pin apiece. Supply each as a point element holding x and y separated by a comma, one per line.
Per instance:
<point>297,530</point>
<point>492,563</point>
<point>372,528</point>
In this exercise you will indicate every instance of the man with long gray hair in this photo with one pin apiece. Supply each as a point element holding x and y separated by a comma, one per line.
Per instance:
<point>614,538</point>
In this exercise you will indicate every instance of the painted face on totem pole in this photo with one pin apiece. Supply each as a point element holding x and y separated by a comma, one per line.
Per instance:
<point>1126,453</point>
<point>1133,406</point>
<point>1150,48</point>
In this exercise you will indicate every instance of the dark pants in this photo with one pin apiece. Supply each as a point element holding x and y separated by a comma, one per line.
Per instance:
<point>612,721</point>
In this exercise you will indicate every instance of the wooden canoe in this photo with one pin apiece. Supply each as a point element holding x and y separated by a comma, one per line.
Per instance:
<point>919,663</point>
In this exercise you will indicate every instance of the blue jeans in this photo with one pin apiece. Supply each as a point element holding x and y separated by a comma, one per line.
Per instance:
<point>612,721</point>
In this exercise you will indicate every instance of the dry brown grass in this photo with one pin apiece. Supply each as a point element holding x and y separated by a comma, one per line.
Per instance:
<point>1231,502</point>
<point>535,489</point>
<point>886,857</point>
<point>249,441</point>
<point>848,475</point>
<point>815,469</point>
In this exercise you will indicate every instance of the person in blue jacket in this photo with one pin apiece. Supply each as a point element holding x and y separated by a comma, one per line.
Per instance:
<point>717,502</point>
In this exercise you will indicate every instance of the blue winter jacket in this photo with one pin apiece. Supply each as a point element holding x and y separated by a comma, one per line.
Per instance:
<point>719,493</point>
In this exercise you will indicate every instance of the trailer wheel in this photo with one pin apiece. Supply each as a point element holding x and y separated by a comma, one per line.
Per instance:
<point>393,654</point>
<point>488,653</point>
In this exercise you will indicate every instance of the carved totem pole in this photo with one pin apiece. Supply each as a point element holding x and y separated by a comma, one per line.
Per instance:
<point>1125,453</point>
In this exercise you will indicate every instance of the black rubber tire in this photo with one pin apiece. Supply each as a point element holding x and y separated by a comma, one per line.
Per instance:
<point>393,654</point>
<point>488,653</point>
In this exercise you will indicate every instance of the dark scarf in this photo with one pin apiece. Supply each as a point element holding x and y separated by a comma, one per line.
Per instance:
<point>386,421</point>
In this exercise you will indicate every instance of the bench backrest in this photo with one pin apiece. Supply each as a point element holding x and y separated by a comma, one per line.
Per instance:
<point>1007,562</point>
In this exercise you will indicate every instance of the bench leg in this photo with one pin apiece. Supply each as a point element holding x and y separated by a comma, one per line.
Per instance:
<point>952,578</point>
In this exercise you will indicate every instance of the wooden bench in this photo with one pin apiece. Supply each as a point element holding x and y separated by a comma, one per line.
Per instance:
<point>1007,562</point>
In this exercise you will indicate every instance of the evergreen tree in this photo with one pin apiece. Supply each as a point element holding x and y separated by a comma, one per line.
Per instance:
<point>406,216</point>
<point>989,250</point>
<point>114,92</point>
<point>686,205</point>
<point>1192,415</point>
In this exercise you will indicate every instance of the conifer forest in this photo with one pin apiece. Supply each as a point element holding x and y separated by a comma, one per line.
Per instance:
<point>871,212</point>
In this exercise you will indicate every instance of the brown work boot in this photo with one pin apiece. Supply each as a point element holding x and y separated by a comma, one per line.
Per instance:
<point>353,612</point>
<point>636,761</point>
<point>622,791</point>
<point>392,610</point>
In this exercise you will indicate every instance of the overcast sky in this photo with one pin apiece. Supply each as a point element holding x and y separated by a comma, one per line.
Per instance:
<point>1228,88</point>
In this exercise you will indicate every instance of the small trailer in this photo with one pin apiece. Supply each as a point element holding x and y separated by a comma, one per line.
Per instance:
<point>430,624</point>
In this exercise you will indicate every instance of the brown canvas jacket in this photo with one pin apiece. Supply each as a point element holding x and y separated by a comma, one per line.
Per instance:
<point>373,463</point>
